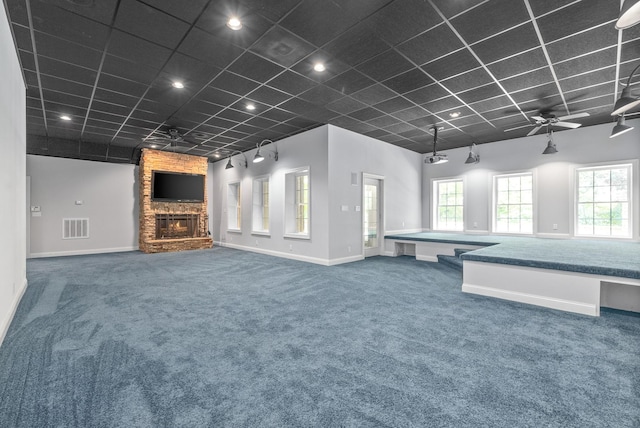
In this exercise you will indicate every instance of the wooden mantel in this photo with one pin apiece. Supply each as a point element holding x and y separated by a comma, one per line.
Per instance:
<point>156,160</point>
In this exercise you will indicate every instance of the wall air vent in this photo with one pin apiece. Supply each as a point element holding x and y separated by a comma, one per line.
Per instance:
<point>75,228</point>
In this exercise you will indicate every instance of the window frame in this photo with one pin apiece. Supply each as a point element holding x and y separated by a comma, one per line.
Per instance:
<point>435,203</point>
<point>632,193</point>
<point>237,207</point>
<point>534,202</point>
<point>292,206</point>
<point>258,207</point>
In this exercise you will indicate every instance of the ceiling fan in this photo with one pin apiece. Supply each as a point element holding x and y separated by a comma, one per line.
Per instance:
<point>172,136</point>
<point>547,118</point>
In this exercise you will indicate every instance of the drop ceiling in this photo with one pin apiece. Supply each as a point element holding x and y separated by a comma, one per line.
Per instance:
<point>394,69</point>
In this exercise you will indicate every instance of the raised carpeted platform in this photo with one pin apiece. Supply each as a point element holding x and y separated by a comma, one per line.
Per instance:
<point>227,338</point>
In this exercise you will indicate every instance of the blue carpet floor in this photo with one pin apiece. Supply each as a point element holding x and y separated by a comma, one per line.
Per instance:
<point>224,338</point>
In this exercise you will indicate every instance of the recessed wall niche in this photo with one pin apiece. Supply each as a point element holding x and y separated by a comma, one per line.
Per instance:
<point>172,225</point>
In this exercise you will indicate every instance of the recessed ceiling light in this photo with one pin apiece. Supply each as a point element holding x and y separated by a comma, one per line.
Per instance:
<point>319,67</point>
<point>65,117</point>
<point>251,106</point>
<point>234,23</point>
<point>153,146</point>
<point>454,114</point>
<point>216,155</point>
<point>178,84</point>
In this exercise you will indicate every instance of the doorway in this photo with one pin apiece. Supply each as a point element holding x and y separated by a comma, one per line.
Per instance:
<point>372,214</point>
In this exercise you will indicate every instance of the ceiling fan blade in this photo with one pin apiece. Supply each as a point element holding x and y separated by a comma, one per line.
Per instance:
<point>517,127</point>
<point>568,124</point>
<point>534,130</point>
<point>574,116</point>
<point>538,118</point>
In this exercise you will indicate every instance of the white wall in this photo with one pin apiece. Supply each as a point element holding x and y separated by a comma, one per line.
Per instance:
<point>109,195</point>
<point>554,173</point>
<point>308,149</point>
<point>12,179</point>
<point>401,169</point>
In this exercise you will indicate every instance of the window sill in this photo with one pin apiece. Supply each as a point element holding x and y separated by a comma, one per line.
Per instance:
<point>234,230</point>
<point>297,235</point>
<point>260,233</point>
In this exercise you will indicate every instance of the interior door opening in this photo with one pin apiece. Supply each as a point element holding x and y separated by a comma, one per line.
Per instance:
<point>372,215</point>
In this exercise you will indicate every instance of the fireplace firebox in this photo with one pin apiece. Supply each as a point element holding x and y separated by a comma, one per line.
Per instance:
<point>172,226</point>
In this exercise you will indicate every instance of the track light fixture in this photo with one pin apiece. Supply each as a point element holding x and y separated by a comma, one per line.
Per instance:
<point>259,158</point>
<point>629,14</point>
<point>551,146</point>
<point>626,101</point>
<point>230,165</point>
<point>473,156</point>
<point>620,127</point>
<point>435,158</point>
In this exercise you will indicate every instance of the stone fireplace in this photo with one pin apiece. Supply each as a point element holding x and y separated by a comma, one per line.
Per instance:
<point>171,226</point>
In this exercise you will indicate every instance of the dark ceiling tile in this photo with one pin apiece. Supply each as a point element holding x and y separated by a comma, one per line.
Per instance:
<point>555,25</point>
<point>426,94</point>
<point>115,98</point>
<point>191,72</point>
<point>430,45</point>
<point>350,82</point>
<point>150,24</point>
<point>589,41</point>
<point>383,121</point>
<point>536,95</point>
<point>469,80</point>
<point>256,68</point>
<point>409,81</point>
<point>491,104</point>
<point>376,133</point>
<point>483,92</point>
<point>416,16</point>
<point>527,80</point>
<point>214,21</point>
<point>345,105</point>
<point>282,47</point>
<point>321,95</point>
<point>394,104</point>
<point>64,70</point>
<point>385,65</point>
<point>351,124</point>
<point>443,104</point>
<point>178,9</point>
<point>356,45</point>
<point>517,64</point>
<point>267,95</point>
<point>234,83</point>
<point>261,122</point>
<point>452,8</point>
<point>208,48</point>
<point>596,60</point>
<point>217,96</point>
<point>399,127</point>
<point>541,7</point>
<point>304,108</point>
<point>138,50</point>
<point>272,10</point>
<point>292,83</point>
<point>374,94</point>
<point>451,65</point>
<point>68,52</point>
<point>234,115</point>
<point>69,26</point>
<point>220,122</point>
<point>301,122</point>
<point>507,44</point>
<point>490,18</point>
<point>411,113</point>
<point>588,79</point>
<point>115,109</point>
<point>65,99</point>
<point>280,115</point>
<point>366,113</point>
<point>129,70</point>
<point>101,11</point>
<point>124,86</point>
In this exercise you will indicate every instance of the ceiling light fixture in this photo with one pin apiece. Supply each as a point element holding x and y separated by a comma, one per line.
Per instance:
<point>551,146</point>
<point>234,23</point>
<point>620,127</point>
<point>454,114</point>
<point>319,67</point>
<point>230,165</point>
<point>65,117</point>
<point>473,157</point>
<point>251,107</point>
<point>435,158</point>
<point>154,146</point>
<point>259,158</point>
<point>177,84</point>
<point>626,101</point>
<point>629,14</point>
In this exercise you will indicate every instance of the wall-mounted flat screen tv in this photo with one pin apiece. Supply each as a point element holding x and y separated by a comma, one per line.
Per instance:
<point>176,187</point>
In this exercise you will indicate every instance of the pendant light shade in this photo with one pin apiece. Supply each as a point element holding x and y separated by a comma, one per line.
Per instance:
<point>551,146</point>
<point>229,164</point>
<point>473,157</point>
<point>626,101</point>
<point>629,14</point>
<point>620,127</point>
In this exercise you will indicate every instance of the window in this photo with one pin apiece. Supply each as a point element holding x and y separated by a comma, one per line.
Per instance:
<point>513,206</point>
<point>603,199</point>
<point>234,207</point>
<point>261,205</point>
<point>448,203</point>
<point>297,199</point>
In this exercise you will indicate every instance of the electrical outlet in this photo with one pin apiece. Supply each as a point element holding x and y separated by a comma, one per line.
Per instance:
<point>475,224</point>
<point>290,247</point>
<point>555,226</point>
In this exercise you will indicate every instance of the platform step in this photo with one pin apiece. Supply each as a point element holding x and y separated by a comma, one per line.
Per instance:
<point>451,261</point>
<point>459,251</point>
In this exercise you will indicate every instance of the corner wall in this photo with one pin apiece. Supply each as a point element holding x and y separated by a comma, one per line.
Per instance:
<point>554,174</point>
<point>13,279</point>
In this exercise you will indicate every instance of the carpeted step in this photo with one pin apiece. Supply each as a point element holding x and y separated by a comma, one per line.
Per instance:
<point>451,261</point>
<point>459,251</point>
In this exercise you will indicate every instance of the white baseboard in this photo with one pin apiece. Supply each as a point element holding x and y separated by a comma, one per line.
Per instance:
<point>553,235</point>
<point>532,299</point>
<point>82,252</point>
<point>285,255</point>
<point>477,232</point>
<point>5,323</point>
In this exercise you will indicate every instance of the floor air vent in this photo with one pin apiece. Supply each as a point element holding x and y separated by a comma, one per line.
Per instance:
<point>75,228</point>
